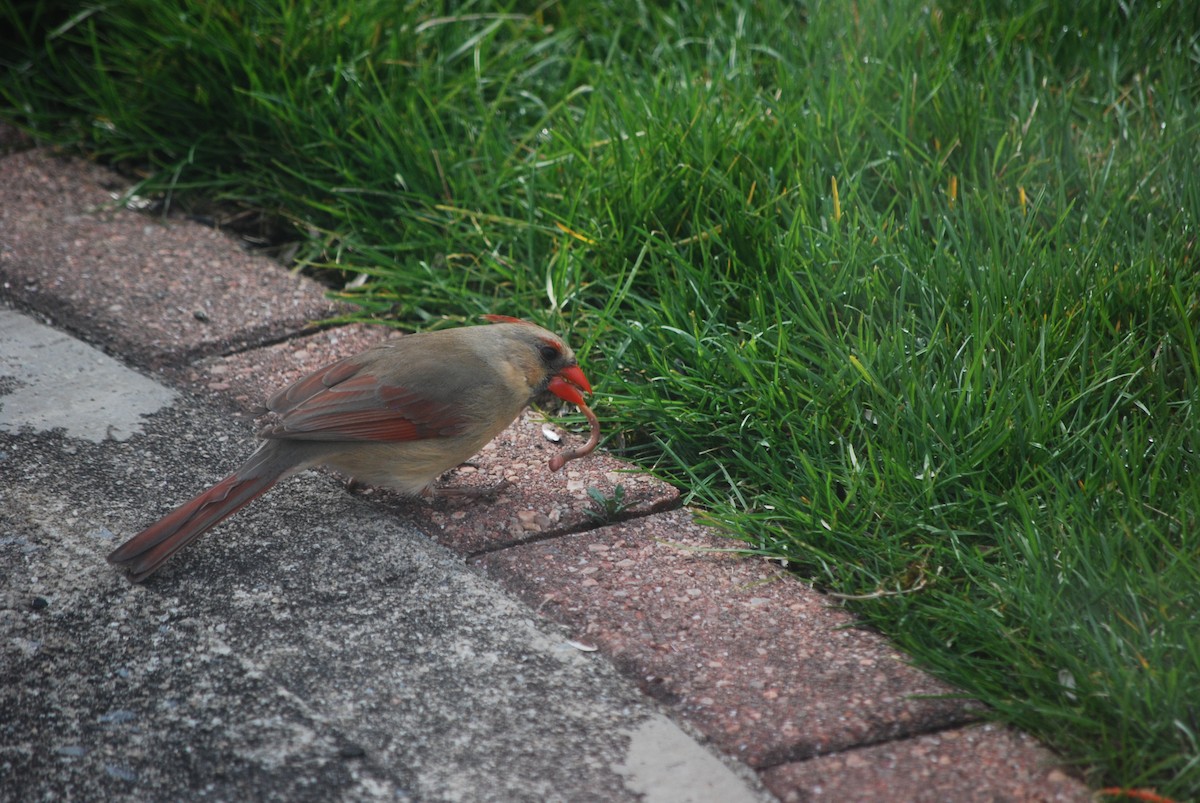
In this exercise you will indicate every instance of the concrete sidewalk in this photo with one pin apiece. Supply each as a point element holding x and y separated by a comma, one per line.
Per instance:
<point>327,646</point>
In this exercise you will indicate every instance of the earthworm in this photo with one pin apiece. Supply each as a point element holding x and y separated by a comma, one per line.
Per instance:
<point>562,458</point>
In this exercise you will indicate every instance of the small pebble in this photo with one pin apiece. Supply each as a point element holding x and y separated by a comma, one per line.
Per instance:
<point>352,750</point>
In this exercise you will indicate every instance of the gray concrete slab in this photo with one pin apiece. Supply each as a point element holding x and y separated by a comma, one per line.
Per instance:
<point>55,381</point>
<point>313,647</point>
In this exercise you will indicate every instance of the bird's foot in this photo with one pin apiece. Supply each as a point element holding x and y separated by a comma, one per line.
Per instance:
<point>467,492</point>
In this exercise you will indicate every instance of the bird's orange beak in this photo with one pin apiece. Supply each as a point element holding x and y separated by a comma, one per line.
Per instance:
<point>568,384</point>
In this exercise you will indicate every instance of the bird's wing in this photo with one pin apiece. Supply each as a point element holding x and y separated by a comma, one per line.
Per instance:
<point>343,403</point>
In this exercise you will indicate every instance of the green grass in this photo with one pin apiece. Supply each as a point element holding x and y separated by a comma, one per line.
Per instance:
<point>906,294</point>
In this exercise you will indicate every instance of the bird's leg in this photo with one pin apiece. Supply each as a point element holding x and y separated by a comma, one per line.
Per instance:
<point>355,487</point>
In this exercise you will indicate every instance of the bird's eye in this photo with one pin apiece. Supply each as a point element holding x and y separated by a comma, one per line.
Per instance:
<point>549,352</point>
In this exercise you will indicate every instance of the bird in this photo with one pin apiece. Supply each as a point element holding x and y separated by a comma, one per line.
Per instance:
<point>397,415</point>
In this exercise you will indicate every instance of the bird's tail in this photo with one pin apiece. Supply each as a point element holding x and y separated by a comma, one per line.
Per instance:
<point>146,552</point>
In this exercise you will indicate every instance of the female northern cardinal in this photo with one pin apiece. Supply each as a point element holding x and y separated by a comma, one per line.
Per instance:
<point>399,414</point>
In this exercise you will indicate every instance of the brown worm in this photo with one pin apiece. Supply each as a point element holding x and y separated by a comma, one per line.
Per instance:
<point>562,458</point>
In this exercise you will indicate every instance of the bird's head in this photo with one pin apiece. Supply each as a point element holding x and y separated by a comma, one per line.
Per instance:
<point>547,361</point>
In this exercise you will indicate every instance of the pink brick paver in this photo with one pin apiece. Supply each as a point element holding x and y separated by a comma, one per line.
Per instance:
<point>151,290</point>
<point>758,661</point>
<point>982,763</point>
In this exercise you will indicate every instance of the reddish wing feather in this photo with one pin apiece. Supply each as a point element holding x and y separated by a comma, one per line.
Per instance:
<point>304,389</point>
<point>341,405</point>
